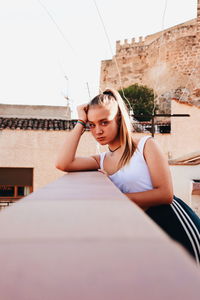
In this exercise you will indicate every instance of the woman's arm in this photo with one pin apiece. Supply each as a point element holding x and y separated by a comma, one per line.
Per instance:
<point>162,192</point>
<point>66,160</point>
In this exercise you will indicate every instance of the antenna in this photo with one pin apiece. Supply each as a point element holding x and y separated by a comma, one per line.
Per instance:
<point>88,90</point>
<point>67,87</point>
<point>66,93</point>
<point>66,96</point>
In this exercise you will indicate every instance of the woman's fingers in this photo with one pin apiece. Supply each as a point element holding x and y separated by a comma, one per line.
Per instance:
<point>86,108</point>
<point>82,111</point>
<point>103,171</point>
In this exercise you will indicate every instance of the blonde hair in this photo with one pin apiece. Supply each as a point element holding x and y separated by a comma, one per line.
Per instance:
<point>125,130</point>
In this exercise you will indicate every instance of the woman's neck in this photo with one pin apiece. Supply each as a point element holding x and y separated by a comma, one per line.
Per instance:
<point>113,150</point>
<point>114,146</point>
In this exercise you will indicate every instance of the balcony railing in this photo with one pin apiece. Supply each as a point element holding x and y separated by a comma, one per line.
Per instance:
<point>81,238</point>
<point>159,127</point>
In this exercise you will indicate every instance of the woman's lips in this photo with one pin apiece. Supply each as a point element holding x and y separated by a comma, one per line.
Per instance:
<point>100,138</point>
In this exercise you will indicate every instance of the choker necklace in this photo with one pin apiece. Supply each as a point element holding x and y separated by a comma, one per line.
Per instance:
<point>114,150</point>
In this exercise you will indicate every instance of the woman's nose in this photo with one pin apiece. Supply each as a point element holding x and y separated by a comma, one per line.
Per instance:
<point>99,130</point>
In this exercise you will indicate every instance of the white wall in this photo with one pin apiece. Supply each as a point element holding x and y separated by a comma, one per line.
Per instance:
<point>196,203</point>
<point>182,176</point>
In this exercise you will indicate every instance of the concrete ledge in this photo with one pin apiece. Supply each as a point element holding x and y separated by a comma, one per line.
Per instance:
<point>81,238</point>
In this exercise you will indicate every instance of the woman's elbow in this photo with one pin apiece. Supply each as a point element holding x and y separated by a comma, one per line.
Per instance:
<point>60,168</point>
<point>165,195</point>
<point>168,197</point>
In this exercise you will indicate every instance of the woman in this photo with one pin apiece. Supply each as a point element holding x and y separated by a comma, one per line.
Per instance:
<point>137,167</point>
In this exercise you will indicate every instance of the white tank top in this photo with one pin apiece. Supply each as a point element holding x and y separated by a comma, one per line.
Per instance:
<point>133,177</point>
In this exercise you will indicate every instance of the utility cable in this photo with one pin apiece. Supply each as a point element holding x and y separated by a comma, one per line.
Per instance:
<point>161,40</point>
<point>63,36</point>
<point>110,47</point>
<point>55,23</point>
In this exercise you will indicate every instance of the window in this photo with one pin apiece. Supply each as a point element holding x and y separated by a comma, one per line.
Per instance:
<point>7,191</point>
<point>15,183</point>
<point>196,187</point>
<point>15,192</point>
<point>195,197</point>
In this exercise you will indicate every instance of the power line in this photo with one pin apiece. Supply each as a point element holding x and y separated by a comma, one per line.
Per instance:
<point>115,60</point>
<point>161,40</point>
<point>62,34</point>
<point>57,26</point>
<point>88,90</point>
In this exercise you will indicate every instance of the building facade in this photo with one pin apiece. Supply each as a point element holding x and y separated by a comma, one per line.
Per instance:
<point>27,148</point>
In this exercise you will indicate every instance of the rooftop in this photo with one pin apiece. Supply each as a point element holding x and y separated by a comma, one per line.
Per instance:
<point>188,159</point>
<point>36,124</point>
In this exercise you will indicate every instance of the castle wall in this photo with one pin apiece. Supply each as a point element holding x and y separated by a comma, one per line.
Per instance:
<point>163,61</point>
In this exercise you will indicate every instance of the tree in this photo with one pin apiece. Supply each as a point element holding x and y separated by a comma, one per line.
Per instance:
<point>141,99</point>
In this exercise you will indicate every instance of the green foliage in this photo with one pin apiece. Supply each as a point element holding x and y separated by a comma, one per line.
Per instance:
<point>141,99</point>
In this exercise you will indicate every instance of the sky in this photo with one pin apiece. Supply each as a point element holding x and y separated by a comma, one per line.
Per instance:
<point>53,48</point>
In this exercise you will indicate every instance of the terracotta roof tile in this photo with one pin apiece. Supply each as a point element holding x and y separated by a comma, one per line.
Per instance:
<point>36,124</point>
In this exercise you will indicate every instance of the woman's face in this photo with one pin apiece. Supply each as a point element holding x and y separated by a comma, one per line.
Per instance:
<point>103,122</point>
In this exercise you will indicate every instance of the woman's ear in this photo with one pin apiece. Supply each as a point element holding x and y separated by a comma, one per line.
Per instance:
<point>119,117</point>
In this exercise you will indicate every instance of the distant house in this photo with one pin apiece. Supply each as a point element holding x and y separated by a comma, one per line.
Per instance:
<point>27,135</point>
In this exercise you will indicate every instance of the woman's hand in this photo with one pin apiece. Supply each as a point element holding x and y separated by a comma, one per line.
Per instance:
<point>82,111</point>
<point>103,172</point>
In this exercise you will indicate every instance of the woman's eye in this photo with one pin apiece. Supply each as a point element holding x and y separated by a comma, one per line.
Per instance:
<point>91,125</point>
<point>104,123</point>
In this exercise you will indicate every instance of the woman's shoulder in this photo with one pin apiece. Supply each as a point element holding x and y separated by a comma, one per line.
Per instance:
<point>153,149</point>
<point>140,142</point>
